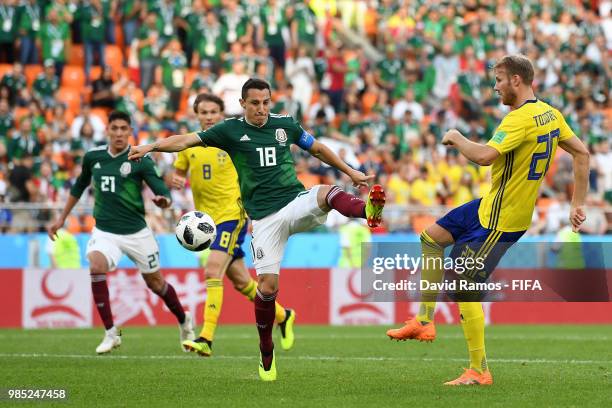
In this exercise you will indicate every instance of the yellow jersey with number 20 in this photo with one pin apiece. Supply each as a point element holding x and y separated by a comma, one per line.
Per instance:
<point>214,182</point>
<point>526,139</point>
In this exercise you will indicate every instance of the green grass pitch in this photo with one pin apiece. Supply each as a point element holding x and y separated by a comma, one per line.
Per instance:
<point>329,366</point>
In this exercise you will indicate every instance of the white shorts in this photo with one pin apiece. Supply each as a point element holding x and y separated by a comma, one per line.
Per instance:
<point>141,247</point>
<point>270,234</point>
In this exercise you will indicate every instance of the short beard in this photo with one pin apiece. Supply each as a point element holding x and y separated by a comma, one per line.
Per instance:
<point>509,98</point>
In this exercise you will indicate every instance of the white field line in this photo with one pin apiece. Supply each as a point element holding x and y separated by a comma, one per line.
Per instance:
<point>453,336</point>
<point>308,358</point>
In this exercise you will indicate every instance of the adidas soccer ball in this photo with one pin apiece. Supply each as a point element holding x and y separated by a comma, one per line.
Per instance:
<point>196,231</point>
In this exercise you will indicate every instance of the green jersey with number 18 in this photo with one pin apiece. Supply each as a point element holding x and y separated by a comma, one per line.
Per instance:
<point>262,158</point>
<point>117,186</point>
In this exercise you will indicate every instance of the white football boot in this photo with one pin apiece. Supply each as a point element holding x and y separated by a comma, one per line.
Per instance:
<point>186,331</point>
<point>112,339</point>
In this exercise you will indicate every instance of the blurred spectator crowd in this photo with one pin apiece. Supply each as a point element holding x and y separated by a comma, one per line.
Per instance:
<point>379,81</point>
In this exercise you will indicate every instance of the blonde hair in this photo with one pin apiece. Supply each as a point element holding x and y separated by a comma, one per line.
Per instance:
<point>517,64</point>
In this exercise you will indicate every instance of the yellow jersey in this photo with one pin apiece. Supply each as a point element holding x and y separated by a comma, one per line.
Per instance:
<point>214,182</point>
<point>526,139</point>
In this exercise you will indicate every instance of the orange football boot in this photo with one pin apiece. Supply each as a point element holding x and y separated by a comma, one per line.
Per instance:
<point>472,377</point>
<point>414,330</point>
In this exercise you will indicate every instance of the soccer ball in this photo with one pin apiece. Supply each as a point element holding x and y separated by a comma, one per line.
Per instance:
<point>196,231</point>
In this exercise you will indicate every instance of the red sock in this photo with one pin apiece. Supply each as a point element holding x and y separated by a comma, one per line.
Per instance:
<point>168,294</point>
<point>345,203</point>
<point>264,317</point>
<point>101,298</point>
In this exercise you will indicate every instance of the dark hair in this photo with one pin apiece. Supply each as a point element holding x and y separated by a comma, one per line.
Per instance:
<point>254,83</point>
<point>206,97</point>
<point>118,115</point>
<point>517,65</point>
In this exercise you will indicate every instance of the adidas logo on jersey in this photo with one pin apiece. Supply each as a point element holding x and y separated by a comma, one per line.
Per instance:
<point>97,166</point>
<point>245,138</point>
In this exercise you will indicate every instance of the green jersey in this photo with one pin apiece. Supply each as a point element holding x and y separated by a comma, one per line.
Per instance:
<point>92,23</point>
<point>45,86</point>
<point>53,39</point>
<point>117,186</point>
<point>13,82</point>
<point>306,24</point>
<point>261,155</point>
<point>8,27</point>
<point>29,20</point>
<point>173,70</point>
<point>6,124</point>
<point>390,69</point>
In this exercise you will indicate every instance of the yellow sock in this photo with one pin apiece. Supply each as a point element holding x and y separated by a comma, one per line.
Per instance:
<point>212,307</point>
<point>279,313</point>
<point>472,321</point>
<point>250,291</point>
<point>431,270</point>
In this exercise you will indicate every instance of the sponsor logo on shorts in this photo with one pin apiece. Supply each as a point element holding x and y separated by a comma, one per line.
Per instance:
<point>281,136</point>
<point>259,253</point>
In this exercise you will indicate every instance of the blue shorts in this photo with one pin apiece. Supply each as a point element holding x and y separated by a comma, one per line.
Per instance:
<point>474,240</point>
<point>230,237</point>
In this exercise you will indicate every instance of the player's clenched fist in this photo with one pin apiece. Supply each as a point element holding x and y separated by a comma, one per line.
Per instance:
<point>577,217</point>
<point>449,137</point>
<point>136,152</point>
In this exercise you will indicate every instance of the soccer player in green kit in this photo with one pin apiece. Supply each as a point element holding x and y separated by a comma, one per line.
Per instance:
<point>120,224</point>
<point>279,205</point>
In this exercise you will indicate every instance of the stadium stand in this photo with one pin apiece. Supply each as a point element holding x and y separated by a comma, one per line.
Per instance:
<point>386,115</point>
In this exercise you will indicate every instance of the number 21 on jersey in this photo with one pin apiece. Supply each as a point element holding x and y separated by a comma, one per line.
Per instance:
<point>267,156</point>
<point>107,184</point>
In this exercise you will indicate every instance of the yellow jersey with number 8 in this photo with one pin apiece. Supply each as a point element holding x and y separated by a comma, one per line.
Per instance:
<point>214,182</point>
<point>526,139</point>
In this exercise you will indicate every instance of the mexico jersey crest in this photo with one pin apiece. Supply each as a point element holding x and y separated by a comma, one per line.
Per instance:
<point>125,169</point>
<point>281,136</point>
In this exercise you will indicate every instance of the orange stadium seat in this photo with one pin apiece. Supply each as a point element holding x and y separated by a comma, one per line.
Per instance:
<point>119,33</point>
<point>72,224</point>
<point>308,179</point>
<point>139,98</point>
<point>76,56</point>
<point>422,221</point>
<point>191,73</point>
<point>113,57</point>
<point>31,72</point>
<point>73,77</point>
<point>102,113</point>
<point>71,97</point>
<point>95,73</point>
<point>88,223</point>
<point>19,113</point>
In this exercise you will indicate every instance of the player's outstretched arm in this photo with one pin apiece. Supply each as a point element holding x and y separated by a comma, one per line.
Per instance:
<point>324,153</point>
<point>581,156</point>
<point>174,143</point>
<point>482,155</point>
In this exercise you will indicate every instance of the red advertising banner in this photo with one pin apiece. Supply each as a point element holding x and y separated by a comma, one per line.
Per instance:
<point>11,299</point>
<point>46,298</point>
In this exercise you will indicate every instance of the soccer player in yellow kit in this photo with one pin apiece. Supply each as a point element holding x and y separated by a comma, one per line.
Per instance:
<point>214,184</point>
<point>520,151</point>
